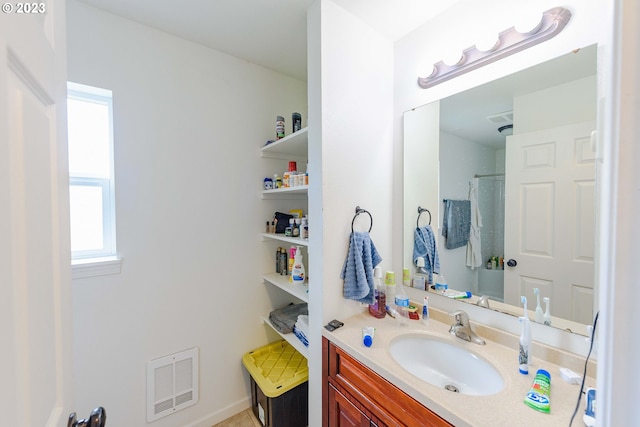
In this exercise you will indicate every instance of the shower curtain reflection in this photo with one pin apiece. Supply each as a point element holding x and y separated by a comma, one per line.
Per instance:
<point>491,205</point>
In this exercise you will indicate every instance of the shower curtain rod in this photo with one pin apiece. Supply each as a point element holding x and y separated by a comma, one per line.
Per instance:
<point>488,175</point>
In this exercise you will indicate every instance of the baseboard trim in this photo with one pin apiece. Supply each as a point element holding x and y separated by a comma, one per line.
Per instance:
<point>222,414</point>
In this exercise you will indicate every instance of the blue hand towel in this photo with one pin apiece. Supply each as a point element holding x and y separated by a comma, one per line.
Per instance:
<point>357,271</point>
<point>424,245</point>
<point>456,223</point>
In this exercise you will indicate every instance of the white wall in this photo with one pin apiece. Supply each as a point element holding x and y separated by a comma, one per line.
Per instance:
<point>188,125</point>
<point>572,102</point>
<point>351,101</point>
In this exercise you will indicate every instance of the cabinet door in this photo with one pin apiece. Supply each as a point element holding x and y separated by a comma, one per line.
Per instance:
<point>343,413</point>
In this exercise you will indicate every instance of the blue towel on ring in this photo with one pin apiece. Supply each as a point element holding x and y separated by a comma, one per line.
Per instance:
<point>424,245</point>
<point>357,271</point>
<point>456,223</point>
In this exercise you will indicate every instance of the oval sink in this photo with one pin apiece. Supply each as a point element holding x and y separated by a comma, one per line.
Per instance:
<point>446,365</point>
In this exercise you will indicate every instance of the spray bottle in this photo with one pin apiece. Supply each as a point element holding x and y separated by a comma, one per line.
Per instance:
<point>524,355</point>
<point>425,311</point>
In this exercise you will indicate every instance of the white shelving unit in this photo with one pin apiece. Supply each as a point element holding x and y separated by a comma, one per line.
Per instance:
<point>294,145</point>
<point>282,238</point>
<point>298,190</point>
<point>291,147</point>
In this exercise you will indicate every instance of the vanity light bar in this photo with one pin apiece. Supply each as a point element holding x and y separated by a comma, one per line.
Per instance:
<point>509,41</point>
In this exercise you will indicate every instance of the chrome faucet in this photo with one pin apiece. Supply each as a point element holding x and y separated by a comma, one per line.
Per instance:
<point>462,328</point>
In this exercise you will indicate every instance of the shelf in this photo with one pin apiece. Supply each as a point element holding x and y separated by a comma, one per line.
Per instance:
<point>282,238</point>
<point>291,145</point>
<point>291,338</point>
<point>300,291</point>
<point>297,190</point>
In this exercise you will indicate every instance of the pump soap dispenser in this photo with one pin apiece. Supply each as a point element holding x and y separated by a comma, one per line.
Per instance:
<point>298,271</point>
<point>524,355</point>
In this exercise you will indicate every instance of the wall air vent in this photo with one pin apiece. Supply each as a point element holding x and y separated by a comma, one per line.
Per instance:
<point>172,383</point>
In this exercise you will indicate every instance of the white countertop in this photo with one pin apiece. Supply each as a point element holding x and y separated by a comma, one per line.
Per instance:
<point>505,408</point>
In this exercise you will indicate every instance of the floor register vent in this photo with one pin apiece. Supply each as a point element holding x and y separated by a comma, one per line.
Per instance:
<point>172,383</point>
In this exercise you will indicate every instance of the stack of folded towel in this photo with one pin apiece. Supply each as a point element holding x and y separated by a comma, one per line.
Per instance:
<point>284,319</point>
<point>301,329</point>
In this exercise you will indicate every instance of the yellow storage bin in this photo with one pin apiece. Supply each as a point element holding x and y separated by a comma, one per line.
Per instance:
<point>276,368</point>
<point>279,386</point>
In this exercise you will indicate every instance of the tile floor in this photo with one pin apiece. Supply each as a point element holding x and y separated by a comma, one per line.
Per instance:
<point>243,419</point>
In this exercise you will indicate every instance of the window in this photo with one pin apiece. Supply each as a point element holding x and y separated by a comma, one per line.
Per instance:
<point>91,184</point>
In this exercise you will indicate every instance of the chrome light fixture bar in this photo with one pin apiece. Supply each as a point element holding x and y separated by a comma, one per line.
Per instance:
<point>509,41</point>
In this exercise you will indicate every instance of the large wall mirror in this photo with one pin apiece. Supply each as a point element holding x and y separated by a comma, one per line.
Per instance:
<point>521,148</point>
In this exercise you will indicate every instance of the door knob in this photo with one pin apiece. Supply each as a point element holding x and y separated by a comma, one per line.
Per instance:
<point>512,262</point>
<point>97,418</point>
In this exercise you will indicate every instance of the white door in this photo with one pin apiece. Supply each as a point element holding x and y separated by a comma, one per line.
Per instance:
<point>35,318</point>
<point>550,178</point>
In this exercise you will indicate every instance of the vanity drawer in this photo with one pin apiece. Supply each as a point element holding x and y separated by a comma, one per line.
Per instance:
<point>385,401</point>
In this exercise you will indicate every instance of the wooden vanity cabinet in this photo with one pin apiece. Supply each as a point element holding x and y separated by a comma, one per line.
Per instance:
<point>354,395</point>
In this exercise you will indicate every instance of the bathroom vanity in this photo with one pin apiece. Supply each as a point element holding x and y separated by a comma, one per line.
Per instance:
<point>357,396</point>
<point>366,386</point>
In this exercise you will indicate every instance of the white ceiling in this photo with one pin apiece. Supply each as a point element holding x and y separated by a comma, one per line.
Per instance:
<point>465,114</point>
<point>271,33</point>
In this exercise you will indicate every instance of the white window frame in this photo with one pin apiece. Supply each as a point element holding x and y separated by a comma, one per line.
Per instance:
<point>105,260</point>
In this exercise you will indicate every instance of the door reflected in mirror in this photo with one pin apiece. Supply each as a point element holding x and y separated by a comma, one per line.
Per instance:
<point>535,188</point>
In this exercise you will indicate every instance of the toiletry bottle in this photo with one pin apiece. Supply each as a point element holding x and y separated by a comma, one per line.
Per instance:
<point>288,232</point>
<point>589,416</point>
<point>538,395</point>
<point>441,284</point>
<point>379,307</point>
<point>524,354</point>
<point>291,260</point>
<point>421,277</point>
<point>546,318</point>
<point>367,335</point>
<point>298,271</point>
<point>295,231</point>
<point>425,311</point>
<point>279,127</point>
<point>296,119</point>
<point>539,314</point>
<point>288,177</point>
<point>278,260</point>
<point>283,262</point>
<point>406,277</point>
<point>402,303</point>
<point>390,285</point>
<point>304,228</point>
